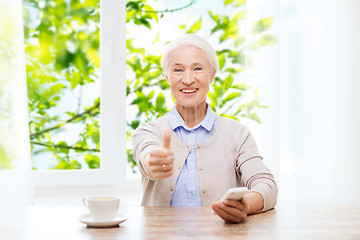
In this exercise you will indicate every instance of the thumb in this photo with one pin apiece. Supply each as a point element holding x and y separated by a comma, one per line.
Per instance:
<point>167,138</point>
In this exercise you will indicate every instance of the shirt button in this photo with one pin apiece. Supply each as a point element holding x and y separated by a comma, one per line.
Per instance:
<point>191,194</point>
<point>191,171</point>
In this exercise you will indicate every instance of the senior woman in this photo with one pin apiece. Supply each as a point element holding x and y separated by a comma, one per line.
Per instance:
<point>191,156</point>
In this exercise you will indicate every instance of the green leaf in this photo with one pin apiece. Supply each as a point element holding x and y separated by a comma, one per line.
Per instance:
<point>228,82</point>
<point>63,150</point>
<point>132,5</point>
<point>241,86</point>
<point>238,57</point>
<point>239,16</point>
<point>214,17</point>
<point>66,164</point>
<point>232,96</point>
<point>130,15</point>
<point>265,40</point>
<point>142,21</point>
<point>231,117</point>
<point>64,59</point>
<point>75,80</point>
<point>45,43</point>
<point>134,124</point>
<point>81,144</point>
<point>222,60</point>
<point>81,62</point>
<point>160,101</point>
<point>255,117</point>
<point>93,161</point>
<point>269,40</point>
<point>145,22</point>
<point>227,2</point>
<point>150,15</point>
<point>195,27</point>
<point>151,95</point>
<point>130,159</point>
<point>62,164</point>
<point>94,132</point>
<point>238,3</point>
<point>262,25</point>
<point>74,165</point>
<point>55,88</point>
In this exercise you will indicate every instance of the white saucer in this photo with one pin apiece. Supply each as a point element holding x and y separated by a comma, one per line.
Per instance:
<point>90,222</point>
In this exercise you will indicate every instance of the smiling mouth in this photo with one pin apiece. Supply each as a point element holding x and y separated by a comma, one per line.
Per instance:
<point>189,90</point>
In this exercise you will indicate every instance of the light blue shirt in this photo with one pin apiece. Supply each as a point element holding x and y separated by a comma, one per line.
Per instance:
<point>187,189</point>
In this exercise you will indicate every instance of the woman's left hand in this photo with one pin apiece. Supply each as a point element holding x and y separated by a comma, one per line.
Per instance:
<point>232,211</point>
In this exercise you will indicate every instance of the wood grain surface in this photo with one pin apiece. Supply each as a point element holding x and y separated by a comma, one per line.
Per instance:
<point>316,222</point>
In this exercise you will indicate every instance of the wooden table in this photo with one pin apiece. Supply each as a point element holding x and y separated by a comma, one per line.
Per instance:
<point>184,223</point>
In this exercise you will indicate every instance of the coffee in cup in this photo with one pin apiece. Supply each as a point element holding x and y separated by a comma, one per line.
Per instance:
<point>102,208</point>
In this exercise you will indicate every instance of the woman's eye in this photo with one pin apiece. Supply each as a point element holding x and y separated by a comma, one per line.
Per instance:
<point>178,70</point>
<point>198,69</point>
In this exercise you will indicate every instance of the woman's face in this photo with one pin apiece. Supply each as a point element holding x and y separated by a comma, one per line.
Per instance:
<point>189,75</point>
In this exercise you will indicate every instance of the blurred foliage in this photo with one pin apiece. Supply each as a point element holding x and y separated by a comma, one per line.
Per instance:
<point>62,40</point>
<point>62,56</point>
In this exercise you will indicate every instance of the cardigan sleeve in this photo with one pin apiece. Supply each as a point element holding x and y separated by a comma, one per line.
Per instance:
<point>253,172</point>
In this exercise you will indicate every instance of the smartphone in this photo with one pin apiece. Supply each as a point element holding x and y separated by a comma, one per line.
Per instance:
<point>235,193</point>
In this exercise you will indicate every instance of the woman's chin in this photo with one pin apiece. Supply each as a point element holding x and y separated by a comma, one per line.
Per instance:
<point>185,104</point>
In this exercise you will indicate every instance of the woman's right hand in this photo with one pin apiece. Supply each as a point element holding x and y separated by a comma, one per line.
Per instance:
<point>159,163</point>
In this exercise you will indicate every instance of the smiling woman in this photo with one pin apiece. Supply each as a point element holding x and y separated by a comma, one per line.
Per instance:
<point>190,74</point>
<point>183,154</point>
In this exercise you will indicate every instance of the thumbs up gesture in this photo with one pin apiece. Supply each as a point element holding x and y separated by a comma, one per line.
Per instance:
<point>159,162</point>
<point>167,138</point>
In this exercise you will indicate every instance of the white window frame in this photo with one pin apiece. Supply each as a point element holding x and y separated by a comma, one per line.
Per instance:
<point>112,172</point>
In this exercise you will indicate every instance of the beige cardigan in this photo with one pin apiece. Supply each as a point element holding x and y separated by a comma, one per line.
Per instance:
<point>230,158</point>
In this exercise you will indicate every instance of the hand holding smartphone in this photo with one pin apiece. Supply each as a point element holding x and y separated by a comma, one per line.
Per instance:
<point>235,193</point>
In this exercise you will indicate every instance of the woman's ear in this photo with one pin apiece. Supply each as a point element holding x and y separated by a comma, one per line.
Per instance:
<point>212,78</point>
<point>166,76</point>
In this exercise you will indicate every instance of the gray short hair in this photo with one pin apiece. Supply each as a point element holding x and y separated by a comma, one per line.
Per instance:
<point>191,40</point>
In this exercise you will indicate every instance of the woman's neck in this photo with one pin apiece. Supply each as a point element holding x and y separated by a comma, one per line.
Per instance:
<point>192,116</point>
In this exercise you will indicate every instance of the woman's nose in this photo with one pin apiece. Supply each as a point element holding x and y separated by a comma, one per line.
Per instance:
<point>188,78</point>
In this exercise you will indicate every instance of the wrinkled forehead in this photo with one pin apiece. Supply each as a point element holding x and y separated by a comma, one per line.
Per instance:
<point>188,53</point>
<point>186,46</point>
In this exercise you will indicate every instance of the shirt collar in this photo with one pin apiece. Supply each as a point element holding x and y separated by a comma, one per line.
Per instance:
<point>175,120</point>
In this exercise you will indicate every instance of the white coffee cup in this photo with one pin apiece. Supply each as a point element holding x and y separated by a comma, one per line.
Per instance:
<point>102,208</point>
